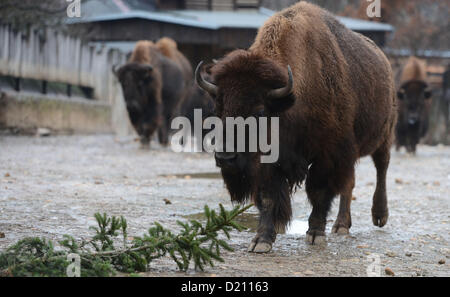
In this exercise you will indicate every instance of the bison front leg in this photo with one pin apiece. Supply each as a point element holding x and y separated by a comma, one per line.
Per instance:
<point>275,212</point>
<point>163,134</point>
<point>320,196</point>
<point>266,233</point>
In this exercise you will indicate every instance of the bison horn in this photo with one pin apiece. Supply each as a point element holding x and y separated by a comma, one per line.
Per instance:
<point>205,85</point>
<point>285,91</point>
<point>114,69</point>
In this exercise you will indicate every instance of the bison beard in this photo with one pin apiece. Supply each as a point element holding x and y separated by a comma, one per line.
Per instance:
<point>340,107</point>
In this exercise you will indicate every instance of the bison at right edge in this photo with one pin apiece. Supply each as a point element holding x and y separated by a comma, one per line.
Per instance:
<point>337,104</point>
<point>414,105</point>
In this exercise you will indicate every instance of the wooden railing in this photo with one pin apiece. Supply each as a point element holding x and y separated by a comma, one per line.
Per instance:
<point>50,56</point>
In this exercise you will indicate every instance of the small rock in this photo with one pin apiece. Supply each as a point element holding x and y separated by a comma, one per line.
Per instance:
<point>442,261</point>
<point>167,201</point>
<point>398,181</point>
<point>97,182</point>
<point>2,235</point>
<point>7,174</point>
<point>308,272</point>
<point>389,271</point>
<point>408,254</point>
<point>436,183</point>
<point>362,246</point>
<point>390,254</point>
<point>353,198</point>
<point>43,132</point>
<point>187,177</point>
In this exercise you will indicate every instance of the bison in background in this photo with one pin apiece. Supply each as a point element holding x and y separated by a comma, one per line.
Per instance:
<point>336,105</point>
<point>414,105</point>
<point>155,81</point>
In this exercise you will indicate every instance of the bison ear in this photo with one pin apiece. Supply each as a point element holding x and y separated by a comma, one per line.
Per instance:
<point>428,93</point>
<point>281,104</point>
<point>401,94</point>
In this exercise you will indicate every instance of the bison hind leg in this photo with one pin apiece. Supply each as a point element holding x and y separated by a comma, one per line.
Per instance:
<point>380,211</point>
<point>344,220</point>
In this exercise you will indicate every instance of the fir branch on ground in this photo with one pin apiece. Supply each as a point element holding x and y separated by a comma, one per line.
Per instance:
<point>196,242</point>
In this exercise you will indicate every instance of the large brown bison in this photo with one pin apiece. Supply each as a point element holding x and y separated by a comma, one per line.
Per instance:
<point>336,105</point>
<point>414,105</point>
<point>155,82</point>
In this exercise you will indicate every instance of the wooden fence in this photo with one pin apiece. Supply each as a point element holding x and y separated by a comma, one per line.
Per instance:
<point>51,56</point>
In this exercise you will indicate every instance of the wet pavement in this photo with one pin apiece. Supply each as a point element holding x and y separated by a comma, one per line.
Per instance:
<point>53,186</point>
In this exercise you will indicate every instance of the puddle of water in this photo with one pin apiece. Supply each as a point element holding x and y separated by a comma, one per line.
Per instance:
<point>297,227</point>
<point>204,175</point>
<point>250,220</point>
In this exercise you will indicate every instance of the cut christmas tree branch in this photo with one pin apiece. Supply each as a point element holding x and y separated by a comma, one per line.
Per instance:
<point>196,242</point>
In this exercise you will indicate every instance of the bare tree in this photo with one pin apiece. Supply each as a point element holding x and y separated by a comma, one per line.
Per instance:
<point>23,13</point>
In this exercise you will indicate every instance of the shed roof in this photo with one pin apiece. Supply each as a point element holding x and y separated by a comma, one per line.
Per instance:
<point>98,11</point>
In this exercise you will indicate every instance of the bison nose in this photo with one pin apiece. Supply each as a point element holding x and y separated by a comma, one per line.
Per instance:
<point>225,159</point>
<point>413,119</point>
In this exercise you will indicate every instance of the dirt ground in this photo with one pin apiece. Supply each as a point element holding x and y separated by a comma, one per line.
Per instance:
<point>53,186</point>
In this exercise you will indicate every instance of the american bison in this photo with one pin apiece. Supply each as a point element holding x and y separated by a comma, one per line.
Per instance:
<point>155,82</point>
<point>414,105</point>
<point>336,105</point>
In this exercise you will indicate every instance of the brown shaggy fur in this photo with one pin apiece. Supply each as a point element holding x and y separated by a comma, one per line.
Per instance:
<point>142,52</point>
<point>414,70</point>
<point>343,107</point>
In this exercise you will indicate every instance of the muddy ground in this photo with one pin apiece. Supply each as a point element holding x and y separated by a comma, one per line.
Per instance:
<point>53,186</point>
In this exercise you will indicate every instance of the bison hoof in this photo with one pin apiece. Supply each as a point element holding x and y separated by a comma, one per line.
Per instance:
<point>380,219</point>
<point>257,246</point>
<point>315,237</point>
<point>340,230</point>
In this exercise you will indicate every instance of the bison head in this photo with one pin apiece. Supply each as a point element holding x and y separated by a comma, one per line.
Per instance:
<point>414,101</point>
<point>246,85</point>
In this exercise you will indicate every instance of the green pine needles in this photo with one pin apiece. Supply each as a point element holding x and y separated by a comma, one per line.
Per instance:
<point>109,251</point>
